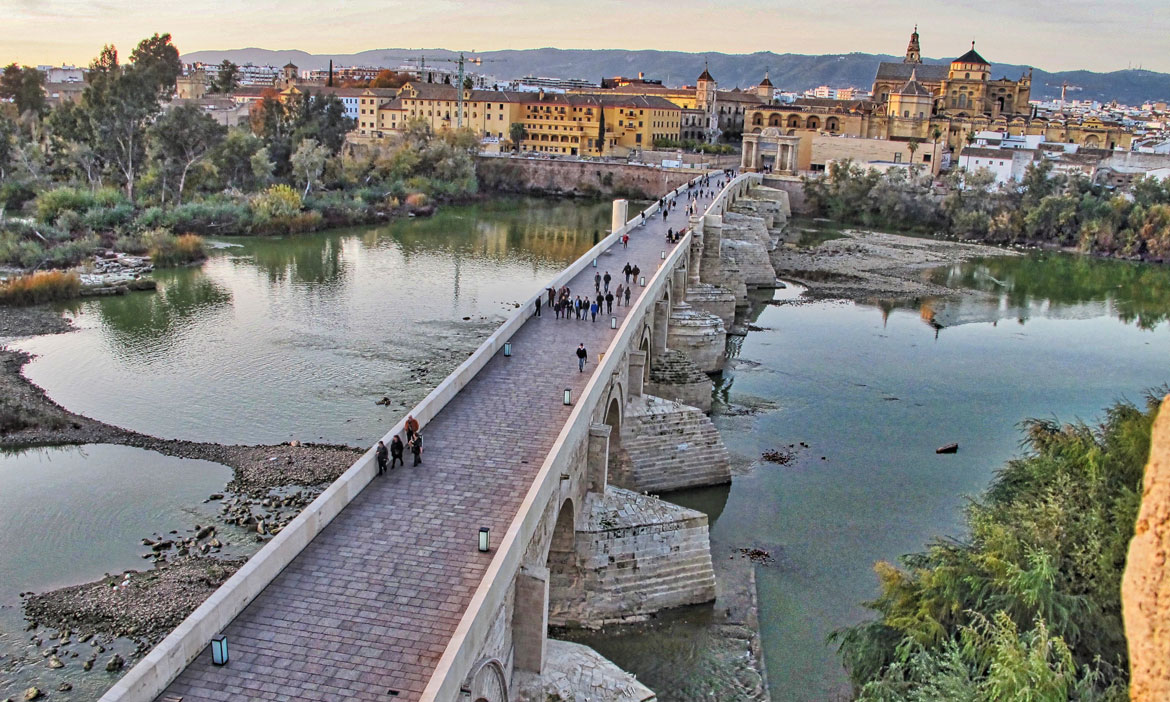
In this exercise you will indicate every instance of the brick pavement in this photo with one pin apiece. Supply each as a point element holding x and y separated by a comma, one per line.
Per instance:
<point>367,609</point>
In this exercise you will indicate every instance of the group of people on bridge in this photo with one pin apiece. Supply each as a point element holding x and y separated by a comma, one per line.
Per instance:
<point>393,453</point>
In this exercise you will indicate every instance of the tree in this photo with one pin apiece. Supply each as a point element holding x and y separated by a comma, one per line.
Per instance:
<point>600,130</point>
<point>390,79</point>
<point>180,138</point>
<point>308,163</point>
<point>7,132</point>
<point>516,133</point>
<point>233,158</point>
<point>25,87</point>
<point>228,78</point>
<point>970,138</point>
<point>262,166</point>
<point>122,101</point>
<point>912,146</point>
<point>157,61</point>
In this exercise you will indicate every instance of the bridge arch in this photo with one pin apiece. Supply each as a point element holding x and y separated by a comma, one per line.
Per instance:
<point>487,682</point>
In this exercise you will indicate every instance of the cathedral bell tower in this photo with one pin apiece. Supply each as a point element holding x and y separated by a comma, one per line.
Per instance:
<point>913,51</point>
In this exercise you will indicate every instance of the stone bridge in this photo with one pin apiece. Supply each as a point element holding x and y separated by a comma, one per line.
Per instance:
<point>377,591</point>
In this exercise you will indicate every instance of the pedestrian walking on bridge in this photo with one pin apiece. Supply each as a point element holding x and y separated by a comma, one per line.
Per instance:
<point>538,305</point>
<point>582,356</point>
<point>381,454</point>
<point>619,294</point>
<point>609,302</point>
<point>396,452</point>
<point>627,271</point>
<point>605,280</point>
<point>416,447</point>
<point>411,426</point>
<point>596,282</point>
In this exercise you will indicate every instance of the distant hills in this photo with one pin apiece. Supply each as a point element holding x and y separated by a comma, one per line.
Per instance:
<point>796,72</point>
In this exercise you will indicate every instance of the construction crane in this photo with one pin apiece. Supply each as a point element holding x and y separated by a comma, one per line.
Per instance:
<point>422,64</point>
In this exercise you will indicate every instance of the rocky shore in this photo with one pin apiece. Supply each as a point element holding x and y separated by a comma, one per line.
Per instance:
<point>105,624</point>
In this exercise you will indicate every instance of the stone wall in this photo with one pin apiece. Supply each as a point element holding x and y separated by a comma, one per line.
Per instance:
<point>1145,589</point>
<point>795,189</point>
<point>587,178</point>
<point>638,555</point>
<point>667,446</point>
<point>746,241</point>
<point>673,376</point>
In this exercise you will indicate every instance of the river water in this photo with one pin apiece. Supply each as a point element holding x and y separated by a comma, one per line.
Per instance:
<point>285,338</point>
<point>873,391</point>
<point>281,338</point>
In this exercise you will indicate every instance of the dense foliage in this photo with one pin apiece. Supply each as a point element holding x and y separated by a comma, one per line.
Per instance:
<point>1044,209</point>
<point>123,162</point>
<point>693,146</point>
<point>1028,606</point>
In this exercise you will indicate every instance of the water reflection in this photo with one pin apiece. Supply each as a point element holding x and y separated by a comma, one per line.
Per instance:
<point>143,325</point>
<point>1058,286</point>
<point>301,334</point>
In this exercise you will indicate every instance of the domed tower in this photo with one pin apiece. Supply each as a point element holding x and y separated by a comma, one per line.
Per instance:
<point>765,88</point>
<point>913,51</point>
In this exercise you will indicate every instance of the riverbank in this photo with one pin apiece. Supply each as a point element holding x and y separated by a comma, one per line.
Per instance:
<point>129,612</point>
<point>869,266</point>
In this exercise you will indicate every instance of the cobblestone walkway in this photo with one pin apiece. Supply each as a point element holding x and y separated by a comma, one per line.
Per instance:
<point>366,610</point>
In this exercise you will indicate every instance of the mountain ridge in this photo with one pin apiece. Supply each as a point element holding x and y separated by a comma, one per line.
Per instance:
<point>796,72</point>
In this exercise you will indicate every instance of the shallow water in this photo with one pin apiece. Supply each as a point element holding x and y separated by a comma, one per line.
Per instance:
<point>285,338</point>
<point>69,515</point>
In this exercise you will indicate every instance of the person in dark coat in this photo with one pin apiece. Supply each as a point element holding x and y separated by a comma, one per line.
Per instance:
<point>609,303</point>
<point>382,454</point>
<point>538,305</point>
<point>396,452</point>
<point>416,447</point>
<point>605,279</point>
<point>627,270</point>
<point>582,356</point>
<point>596,282</point>
<point>627,297</point>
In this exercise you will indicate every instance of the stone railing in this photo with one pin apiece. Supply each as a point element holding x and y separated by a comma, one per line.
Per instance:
<point>164,662</point>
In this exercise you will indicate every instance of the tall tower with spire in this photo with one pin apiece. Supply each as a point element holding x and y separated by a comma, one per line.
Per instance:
<point>913,51</point>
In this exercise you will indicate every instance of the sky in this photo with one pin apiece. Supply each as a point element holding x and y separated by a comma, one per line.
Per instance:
<point>1095,35</point>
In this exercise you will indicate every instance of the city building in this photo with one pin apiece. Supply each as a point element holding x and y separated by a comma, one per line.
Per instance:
<point>574,124</point>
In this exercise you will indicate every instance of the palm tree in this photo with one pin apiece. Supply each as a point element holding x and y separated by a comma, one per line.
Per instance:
<point>516,134</point>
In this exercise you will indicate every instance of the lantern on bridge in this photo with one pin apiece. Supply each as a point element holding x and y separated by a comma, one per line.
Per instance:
<point>219,650</point>
<point>484,539</point>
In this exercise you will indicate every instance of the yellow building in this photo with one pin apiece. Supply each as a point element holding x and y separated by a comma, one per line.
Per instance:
<point>553,123</point>
<point>597,125</point>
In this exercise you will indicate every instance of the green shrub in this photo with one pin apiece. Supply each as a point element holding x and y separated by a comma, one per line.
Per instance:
<point>109,197</point>
<point>42,286</point>
<point>51,203</point>
<point>106,219</point>
<point>276,202</point>
<point>132,244</point>
<point>167,250</point>
<point>70,253</point>
<point>209,218</point>
<point>150,218</point>
<point>14,193</point>
<point>69,223</point>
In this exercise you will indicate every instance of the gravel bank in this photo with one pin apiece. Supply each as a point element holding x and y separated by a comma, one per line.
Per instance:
<point>866,266</point>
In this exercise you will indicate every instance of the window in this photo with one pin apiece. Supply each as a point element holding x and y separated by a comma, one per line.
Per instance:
<point>898,157</point>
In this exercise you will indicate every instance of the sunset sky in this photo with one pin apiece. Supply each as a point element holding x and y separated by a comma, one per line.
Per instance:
<point>1072,34</point>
